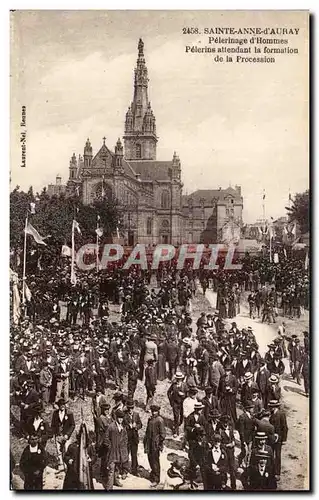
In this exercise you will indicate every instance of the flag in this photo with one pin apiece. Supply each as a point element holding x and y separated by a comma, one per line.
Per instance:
<point>76,226</point>
<point>77,190</point>
<point>276,258</point>
<point>39,263</point>
<point>32,208</point>
<point>307,262</point>
<point>84,470</point>
<point>290,197</point>
<point>264,195</point>
<point>38,238</point>
<point>73,275</point>
<point>99,231</point>
<point>66,251</point>
<point>285,253</point>
<point>117,232</point>
<point>27,292</point>
<point>16,309</point>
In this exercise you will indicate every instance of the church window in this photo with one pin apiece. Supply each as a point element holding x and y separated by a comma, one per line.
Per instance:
<point>138,151</point>
<point>149,226</point>
<point>165,224</point>
<point>165,199</point>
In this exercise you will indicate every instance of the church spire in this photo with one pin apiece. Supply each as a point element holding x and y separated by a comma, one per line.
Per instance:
<point>140,129</point>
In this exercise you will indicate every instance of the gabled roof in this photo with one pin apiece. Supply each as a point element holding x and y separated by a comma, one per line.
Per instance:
<point>209,194</point>
<point>151,170</point>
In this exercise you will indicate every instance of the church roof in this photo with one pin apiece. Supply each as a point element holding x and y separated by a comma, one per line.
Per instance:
<point>209,194</point>
<point>151,170</point>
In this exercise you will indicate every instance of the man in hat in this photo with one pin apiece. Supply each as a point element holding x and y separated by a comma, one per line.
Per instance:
<point>228,391</point>
<point>29,398</point>
<point>150,382</point>
<point>45,382</point>
<point>213,423</point>
<point>132,367</point>
<point>62,375</point>
<point>210,401</point>
<point>246,427</point>
<point>37,425</point>
<point>295,357</point>
<point>248,387</point>
<point>262,377</point>
<point>279,421</point>
<point>215,466</point>
<point>103,422</point>
<point>100,368</point>
<point>119,403</point>
<point>117,445</point>
<point>226,432</point>
<point>273,390</point>
<point>133,424</point>
<point>62,427</point>
<point>154,443</point>
<point>176,395</point>
<point>81,368</point>
<point>172,355</point>
<point>305,371</point>
<point>263,425</point>
<point>276,366</point>
<point>150,349</point>
<point>98,399</point>
<point>260,444</point>
<point>32,464</point>
<point>261,474</point>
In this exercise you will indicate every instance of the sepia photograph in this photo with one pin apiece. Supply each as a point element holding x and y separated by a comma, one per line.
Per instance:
<point>160,261</point>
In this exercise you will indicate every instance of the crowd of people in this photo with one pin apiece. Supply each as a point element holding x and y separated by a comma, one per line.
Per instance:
<point>222,392</point>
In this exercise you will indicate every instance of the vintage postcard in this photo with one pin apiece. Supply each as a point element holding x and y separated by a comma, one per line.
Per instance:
<point>159,250</point>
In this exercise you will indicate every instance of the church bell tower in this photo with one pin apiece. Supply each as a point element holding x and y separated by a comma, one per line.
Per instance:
<point>140,128</point>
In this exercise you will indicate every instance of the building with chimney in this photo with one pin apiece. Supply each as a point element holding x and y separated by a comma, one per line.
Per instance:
<point>149,191</point>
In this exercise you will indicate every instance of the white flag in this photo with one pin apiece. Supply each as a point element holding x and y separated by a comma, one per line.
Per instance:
<point>307,262</point>
<point>16,310</point>
<point>99,231</point>
<point>32,208</point>
<point>31,230</point>
<point>76,226</point>
<point>276,258</point>
<point>66,251</point>
<point>27,292</point>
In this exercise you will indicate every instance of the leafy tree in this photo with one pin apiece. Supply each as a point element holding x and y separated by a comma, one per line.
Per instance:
<point>53,216</point>
<point>299,211</point>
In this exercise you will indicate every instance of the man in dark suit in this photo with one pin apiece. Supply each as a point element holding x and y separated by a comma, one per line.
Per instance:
<point>116,443</point>
<point>262,377</point>
<point>246,427</point>
<point>279,421</point>
<point>261,474</point>
<point>226,432</point>
<point>215,466</point>
<point>30,397</point>
<point>176,394</point>
<point>172,353</point>
<point>210,402</point>
<point>276,366</point>
<point>154,443</point>
<point>62,427</point>
<point>132,423</point>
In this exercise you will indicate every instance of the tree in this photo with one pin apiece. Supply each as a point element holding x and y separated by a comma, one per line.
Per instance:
<point>299,211</point>
<point>54,217</point>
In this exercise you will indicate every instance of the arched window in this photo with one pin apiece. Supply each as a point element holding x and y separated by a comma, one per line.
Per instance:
<point>165,199</point>
<point>165,224</point>
<point>138,151</point>
<point>149,226</point>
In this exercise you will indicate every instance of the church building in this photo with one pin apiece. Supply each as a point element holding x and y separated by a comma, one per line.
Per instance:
<point>148,190</point>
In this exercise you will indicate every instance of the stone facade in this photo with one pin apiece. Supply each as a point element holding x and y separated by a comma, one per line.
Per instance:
<point>149,191</point>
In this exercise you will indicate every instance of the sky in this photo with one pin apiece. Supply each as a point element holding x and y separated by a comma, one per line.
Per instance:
<point>244,124</point>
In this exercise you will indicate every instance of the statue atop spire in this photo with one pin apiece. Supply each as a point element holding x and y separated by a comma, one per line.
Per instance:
<point>140,48</point>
